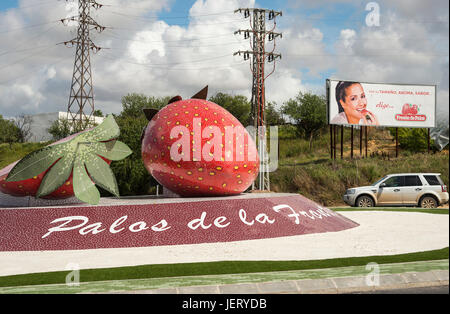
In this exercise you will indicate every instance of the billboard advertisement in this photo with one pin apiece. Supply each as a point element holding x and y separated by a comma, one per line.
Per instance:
<point>379,104</point>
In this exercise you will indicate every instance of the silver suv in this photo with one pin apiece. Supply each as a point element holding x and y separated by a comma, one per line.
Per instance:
<point>403,189</point>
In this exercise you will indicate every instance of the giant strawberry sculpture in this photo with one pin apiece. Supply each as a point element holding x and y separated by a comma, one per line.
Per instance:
<point>70,167</point>
<point>195,147</point>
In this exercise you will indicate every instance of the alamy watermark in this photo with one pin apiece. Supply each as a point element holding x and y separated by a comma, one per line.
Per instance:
<point>373,17</point>
<point>373,277</point>
<point>73,278</point>
<point>228,144</point>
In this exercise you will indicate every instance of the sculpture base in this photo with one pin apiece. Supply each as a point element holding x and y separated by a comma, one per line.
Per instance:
<point>157,221</point>
<point>7,200</point>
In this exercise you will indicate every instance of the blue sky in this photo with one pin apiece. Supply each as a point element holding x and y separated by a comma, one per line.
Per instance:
<point>157,50</point>
<point>6,4</point>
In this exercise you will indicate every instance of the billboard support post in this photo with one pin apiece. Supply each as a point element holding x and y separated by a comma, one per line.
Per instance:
<point>342,142</point>
<point>331,141</point>
<point>334,141</point>
<point>428,139</point>
<point>365,133</point>
<point>351,152</point>
<point>360,141</point>
<point>396,142</point>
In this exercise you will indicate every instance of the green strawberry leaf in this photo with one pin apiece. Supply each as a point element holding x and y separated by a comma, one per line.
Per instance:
<point>117,151</point>
<point>36,162</point>
<point>56,176</point>
<point>102,175</point>
<point>106,131</point>
<point>83,186</point>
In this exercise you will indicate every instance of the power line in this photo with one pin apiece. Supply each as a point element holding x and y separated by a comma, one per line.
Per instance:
<point>365,55</point>
<point>114,35</point>
<point>362,19</point>
<point>24,50</point>
<point>41,3</point>
<point>152,65</point>
<point>174,66</point>
<point>183,16</point>
<point>180,24</point>
<point>146,17</point>
<point>226,43</point>
<point>27,41</point>
<point>29,26</point>
<point>419,21</point>
<point>27,73</point>
<point>27,57</point>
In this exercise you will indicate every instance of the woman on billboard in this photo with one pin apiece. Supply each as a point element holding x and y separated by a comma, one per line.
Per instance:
<point>352,104</point>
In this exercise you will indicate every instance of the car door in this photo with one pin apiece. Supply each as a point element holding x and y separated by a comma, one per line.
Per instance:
<point>412,189</point>
<point>389,192</point>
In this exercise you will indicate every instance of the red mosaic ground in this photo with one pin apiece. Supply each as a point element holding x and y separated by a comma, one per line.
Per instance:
<point>183,221</point>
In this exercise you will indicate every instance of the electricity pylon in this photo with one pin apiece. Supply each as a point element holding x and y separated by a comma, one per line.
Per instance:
<point>258,35</point>
<point>81,100</point>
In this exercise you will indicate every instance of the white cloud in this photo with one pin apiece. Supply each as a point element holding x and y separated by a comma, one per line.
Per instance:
<point>148,41</point>
<point>347,39</point>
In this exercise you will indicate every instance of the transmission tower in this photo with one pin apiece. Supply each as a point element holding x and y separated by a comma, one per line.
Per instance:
<point>257,34</point>
<point>81,99</point>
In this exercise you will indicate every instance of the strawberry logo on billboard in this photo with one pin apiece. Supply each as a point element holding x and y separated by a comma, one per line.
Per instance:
<point>410,113</point>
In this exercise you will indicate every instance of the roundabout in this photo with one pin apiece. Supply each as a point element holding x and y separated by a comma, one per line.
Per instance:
<point>379,233</point>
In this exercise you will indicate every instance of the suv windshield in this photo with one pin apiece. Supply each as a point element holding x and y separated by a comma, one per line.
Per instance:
<point>379,181</point>
<point>395,181</point>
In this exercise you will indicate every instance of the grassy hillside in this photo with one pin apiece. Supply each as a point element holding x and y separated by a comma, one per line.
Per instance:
<point>325,181</point>
<point>9,154</point>
<point>315,175</point>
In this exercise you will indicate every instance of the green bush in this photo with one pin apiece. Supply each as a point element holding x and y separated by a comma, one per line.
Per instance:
<point>60,129</point>
<point>287,131</point>
<point>132,177</point>
<point>9,132</point>
<point>371,172</point>
<point>293,148</point>
<point>412,139</point>
<point>308,113</point>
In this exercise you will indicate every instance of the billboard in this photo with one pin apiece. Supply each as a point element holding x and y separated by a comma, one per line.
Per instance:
<point>379,104</point>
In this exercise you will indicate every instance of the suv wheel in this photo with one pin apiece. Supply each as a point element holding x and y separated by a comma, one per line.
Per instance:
<point>364,201</point>
<point>428,202</point>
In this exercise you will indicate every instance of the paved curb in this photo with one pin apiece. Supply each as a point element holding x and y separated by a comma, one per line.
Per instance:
<point>319,286</point>
<point>327,280</point>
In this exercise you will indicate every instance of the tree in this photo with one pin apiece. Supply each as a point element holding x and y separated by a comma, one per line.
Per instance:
<point>132,104</point>
<point>98,113</point>
<point>132,177</point>
<point>273,116</point>
<point>308,112</point>
<point>412,139</point>
<point>62,128</point>
<point>23,123</point>
<point>9,132</point>
<point>59,129</point>
<point>237,105</point>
